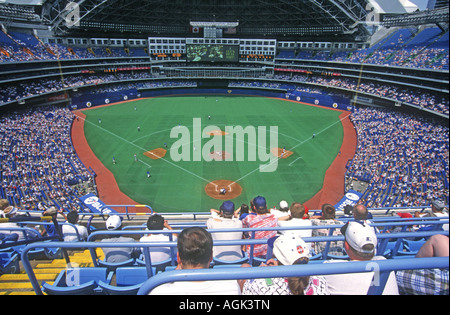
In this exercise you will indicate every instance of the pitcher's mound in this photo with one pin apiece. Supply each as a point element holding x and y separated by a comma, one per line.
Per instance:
<point>155,154</point>
<point>232,189</point>
<point>278,152</point>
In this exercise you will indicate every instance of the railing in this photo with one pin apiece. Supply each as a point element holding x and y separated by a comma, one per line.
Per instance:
<point>286,271</point>
<point>384,267</point>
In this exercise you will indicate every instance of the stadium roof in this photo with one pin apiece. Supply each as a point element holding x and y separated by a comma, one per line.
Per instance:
<point>257,18</point>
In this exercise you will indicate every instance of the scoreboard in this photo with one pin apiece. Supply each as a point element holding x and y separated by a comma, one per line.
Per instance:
<point>212,53</point>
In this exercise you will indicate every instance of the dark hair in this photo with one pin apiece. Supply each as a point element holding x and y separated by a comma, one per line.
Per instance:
<point>244,208</point>
<point>298,285</point>
<point>195,246</point>
<point>328,211</point>
<point>72,217</point>
<point>297,210</point>
<point>155,222</point>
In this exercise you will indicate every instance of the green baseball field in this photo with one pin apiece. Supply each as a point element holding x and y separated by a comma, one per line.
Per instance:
<point>164,152</point>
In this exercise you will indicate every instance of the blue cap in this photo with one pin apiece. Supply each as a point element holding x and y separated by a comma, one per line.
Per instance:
<point>227,206</point>
<point>259,202</point>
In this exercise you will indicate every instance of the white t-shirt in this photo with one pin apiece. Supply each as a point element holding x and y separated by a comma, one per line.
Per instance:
<point>226,252</point>
<point>70,235</point>
<point>358,283</point>
<point>279,214</point>
<point>158,254</point>
<point>296,222</point>
<point>220,287</point>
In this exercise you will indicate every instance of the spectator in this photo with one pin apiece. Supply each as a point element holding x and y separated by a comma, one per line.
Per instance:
<point>8,237</point>
<point>427,281</point>
<point>159,254</point>
<point>226,220</point>
<point>360,244</point>
<point>195,251</point>
<point>297,211</point>
<point>118,254</point>
<point>361,213</point>
<point>283,211</point>
<point>49,229</point>
<point>437,210</point>
<point>10,213</point>
<point>244,211</point>
<point>287,251</point>
<point>328,218</point>
<point>262,219</point>
<point>69,232</point>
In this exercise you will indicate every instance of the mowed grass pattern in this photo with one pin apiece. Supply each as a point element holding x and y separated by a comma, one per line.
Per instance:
<point>179,186</point>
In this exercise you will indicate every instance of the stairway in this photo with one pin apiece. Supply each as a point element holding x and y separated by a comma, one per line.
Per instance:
<point>45,270</point>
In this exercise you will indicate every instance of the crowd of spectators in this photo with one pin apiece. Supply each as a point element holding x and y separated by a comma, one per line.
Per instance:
<point>39,166</point>
<point>403,157</point>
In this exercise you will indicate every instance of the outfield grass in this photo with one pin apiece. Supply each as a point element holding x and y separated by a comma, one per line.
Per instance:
<point>178,186</point>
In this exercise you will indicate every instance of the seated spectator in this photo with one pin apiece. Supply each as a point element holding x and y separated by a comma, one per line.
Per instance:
<point>360,245</point>
<point>49,229</point>
<point>328,218</point>
<point>361,213</point>
<point>226,220</point>
<point>10,213</point>
<point>262,219</point>
<point>13,237</point>
<point>282,211</point>
<point>244,211</point>
<point>427,281</point>
<point>296,219</point>
<point>159,254</point>
<point>195,251</point>
<point>69,233</point>
<point>287,251</point>
<point>118,254</point>
<point>437,210</point>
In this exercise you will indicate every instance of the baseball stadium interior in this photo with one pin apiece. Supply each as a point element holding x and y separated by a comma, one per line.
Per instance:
<point>383,63</point>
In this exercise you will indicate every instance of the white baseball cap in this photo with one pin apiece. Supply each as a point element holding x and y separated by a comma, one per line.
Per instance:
<point>289,249</point>
<point>358,234</point>
<point>114,222</point>
<point>284,205</point>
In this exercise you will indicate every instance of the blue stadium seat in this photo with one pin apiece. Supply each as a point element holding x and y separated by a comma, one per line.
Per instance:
<point>128,281</point>
<point>82,281</point>
<point>113,266</point>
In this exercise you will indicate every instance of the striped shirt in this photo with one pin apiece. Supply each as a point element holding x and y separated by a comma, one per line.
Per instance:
<point>260,221</point>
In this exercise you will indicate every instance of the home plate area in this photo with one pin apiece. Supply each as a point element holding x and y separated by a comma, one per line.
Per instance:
<point>278,152</point>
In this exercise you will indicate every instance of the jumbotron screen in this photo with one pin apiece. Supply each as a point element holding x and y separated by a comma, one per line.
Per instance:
<point>212,53</point>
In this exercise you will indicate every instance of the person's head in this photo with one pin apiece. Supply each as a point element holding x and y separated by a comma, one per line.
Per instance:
<point>155,222</point>
<point>244,208</point>
<point>292,250</point>
<point>284,206</point>
<point>3,204</point>
<point>328,212</point>
<point>72,217</point>
<point>360,212</point>
<point>227,209</point>
<point>297,210</point>
<point>260,205</point>
<point>437,206</point>
<point>195,248</point>
<point>360,240</point>
<point>10,211</point>
<point>113,223</point>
